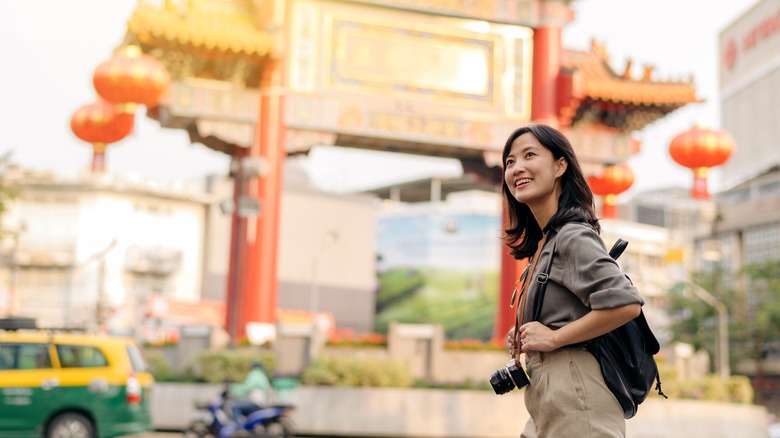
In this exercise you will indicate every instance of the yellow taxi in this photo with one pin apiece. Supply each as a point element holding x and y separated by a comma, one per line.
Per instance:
<point>76,385</point>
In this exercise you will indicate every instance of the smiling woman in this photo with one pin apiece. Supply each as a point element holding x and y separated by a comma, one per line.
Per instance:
<point>531,172</point>
<point>548,200</point>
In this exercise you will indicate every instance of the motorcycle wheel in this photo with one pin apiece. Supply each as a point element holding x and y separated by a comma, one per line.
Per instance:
<point>198,429</point>
<point>279,428</point>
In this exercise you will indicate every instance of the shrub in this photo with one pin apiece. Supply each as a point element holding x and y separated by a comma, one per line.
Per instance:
<point>468,384</point>
<point>740,390</point>
<point>159,366</point>
<point>472,345</point>
<point>366,340</point>
<point>221,366</point>
<point>356,372</point>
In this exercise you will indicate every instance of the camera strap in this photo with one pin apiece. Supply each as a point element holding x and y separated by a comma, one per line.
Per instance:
<point>542,280</point>
<point>524,290</point>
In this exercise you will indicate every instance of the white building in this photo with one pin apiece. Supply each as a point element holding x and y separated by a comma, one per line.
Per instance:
<point>750,90</point>
<point>103,250</point>
<point>92,248</point>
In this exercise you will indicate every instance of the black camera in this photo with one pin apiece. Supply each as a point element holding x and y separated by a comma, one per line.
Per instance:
<point>507,378</point>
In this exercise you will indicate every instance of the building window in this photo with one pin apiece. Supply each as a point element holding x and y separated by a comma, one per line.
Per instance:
<point>737,196</point>
<point>762,243</point>
<point>651,215</point>
<point>768,189</point>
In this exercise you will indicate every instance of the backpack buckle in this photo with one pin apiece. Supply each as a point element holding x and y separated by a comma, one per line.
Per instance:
<point>542,278</point>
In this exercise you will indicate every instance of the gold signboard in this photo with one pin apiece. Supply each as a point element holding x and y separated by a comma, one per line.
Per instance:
<point>382,73</point>
<point>373,56</point>
<point>220,108</point>
<point>213,100</point>
<point>499,11</point>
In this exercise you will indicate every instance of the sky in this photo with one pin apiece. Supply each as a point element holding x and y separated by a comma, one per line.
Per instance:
<point>50,49</point>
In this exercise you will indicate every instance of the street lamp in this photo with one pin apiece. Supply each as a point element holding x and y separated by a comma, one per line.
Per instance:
<point>722,346</point>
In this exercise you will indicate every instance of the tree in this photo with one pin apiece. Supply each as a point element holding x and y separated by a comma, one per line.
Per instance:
<point>694,321</point>
<point>9,238</point>
<point>8,191</point>
<point>753,299</point>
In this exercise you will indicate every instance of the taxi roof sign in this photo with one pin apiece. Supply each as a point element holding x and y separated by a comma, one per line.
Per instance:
<point>17,323</point>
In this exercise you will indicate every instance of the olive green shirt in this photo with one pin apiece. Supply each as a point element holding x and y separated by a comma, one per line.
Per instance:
<point>583,277</point>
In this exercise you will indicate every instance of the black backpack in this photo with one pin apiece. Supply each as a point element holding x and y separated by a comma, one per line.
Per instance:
<point>624,354</point>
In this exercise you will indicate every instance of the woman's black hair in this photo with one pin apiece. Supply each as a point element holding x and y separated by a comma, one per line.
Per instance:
<point>575,203</point>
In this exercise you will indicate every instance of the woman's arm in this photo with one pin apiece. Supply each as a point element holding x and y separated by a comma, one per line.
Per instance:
<point>537,337</point>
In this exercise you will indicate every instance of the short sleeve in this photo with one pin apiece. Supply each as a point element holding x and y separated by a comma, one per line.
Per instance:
<point>589,272</point>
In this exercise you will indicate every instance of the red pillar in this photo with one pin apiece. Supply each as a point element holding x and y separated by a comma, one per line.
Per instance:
<point>237,249</point>
<point>262,240</point>
<point>546,65</point>
<point>252,276</point>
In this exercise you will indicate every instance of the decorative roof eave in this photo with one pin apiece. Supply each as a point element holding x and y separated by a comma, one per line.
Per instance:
<point>601,83</point>
<point>213,34</point>
<point>211,39</point>
<point>653,94</point>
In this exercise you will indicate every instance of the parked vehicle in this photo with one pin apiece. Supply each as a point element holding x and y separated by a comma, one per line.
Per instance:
<point>215,420</point>
<point>77,385</point>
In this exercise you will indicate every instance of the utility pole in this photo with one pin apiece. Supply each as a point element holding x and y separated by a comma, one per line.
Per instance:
<point>100,304</point>
<point>722,345</point>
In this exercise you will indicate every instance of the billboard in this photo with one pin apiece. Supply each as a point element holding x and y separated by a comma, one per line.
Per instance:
<point>439,267</point>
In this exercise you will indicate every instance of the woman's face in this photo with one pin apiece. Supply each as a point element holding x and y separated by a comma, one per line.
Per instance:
<point>531,171</point>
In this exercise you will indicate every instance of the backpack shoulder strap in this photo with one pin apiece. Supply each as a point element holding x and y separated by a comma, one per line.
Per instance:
<point>617,249</point>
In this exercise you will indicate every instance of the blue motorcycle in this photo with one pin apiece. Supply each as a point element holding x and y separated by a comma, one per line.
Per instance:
<point>215,419</point>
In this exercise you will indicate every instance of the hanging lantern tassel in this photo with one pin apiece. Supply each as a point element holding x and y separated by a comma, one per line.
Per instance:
<point>699,190</point>
<point>609,206</point>
<point>99,157</point>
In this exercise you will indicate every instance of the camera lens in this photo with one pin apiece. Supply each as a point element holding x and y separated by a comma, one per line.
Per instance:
<point>501,381</point>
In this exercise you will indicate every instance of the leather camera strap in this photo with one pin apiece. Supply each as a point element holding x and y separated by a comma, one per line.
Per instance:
<point>524,292</point>
<point>542,280</point>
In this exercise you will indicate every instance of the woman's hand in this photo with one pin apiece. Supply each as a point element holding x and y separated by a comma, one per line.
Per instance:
<point>535,336</point>
<point>511,343</point>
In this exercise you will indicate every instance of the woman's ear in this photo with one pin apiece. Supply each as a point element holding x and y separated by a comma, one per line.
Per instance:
<point>560,167</point>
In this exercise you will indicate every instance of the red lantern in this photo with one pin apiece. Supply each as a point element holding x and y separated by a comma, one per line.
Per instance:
<point>101,124</point>
<point>613,181</point>
<point>699,149</point>
<point>131,78</point>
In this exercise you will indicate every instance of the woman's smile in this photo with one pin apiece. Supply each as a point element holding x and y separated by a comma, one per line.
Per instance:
<point>522,182</point>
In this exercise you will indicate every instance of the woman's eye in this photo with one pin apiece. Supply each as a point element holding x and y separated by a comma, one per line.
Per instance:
<point>510,162</point>
<point>529,154</point>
